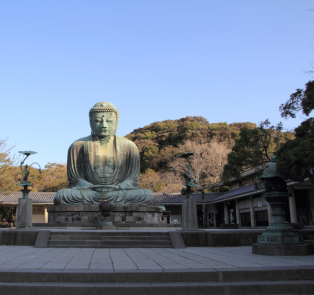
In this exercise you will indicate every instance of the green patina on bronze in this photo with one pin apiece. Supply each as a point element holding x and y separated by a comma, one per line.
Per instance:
<point>270,171</point>
<point>104,166</point>
<point>24,182</point>
<point>279,230</point>
<point>187,174</point>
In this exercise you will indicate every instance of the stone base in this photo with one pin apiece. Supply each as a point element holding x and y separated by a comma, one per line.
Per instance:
<point>24,214</point>
<point>106,227</point>
<point>282,250</point>
<point>280,237</point>
<point>88,214</point>
<point>189,215</point>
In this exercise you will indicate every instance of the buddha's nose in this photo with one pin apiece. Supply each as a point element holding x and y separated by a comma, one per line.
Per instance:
<point>104,124</point>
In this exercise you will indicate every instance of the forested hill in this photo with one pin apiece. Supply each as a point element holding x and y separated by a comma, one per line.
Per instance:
<point>159,141</point>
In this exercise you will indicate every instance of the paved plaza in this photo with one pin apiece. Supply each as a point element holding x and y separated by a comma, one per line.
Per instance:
<point>30,258</point>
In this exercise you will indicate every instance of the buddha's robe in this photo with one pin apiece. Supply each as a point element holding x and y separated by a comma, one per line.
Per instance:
<point>84,171</point>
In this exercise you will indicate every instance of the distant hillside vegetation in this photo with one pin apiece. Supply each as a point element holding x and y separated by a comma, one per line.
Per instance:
<point>158,141</point>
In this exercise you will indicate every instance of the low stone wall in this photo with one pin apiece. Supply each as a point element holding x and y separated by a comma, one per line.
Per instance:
<point>220,239</point>
<point>17,237</point>
<point>89,214</point>
<point>191,239</point>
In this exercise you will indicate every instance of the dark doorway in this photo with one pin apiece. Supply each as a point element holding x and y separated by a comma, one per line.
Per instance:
<point>245,219</point>
<point>218,219</point>
<point>220,215</point>
<point>302,206</point>
<point>199,216</point>
<point>261,218</point>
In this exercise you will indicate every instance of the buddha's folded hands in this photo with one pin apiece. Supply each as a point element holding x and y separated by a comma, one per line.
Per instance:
<point>104,188</point>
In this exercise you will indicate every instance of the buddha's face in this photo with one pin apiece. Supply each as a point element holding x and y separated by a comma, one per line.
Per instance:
<point>103,123</point>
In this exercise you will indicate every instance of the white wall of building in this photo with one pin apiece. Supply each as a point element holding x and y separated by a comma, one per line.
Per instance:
<point>38,218</point>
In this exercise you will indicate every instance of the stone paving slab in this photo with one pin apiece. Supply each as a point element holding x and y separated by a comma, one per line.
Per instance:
<point>119,259</point>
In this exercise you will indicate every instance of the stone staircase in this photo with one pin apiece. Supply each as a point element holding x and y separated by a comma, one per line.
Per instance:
<point>155,282</point>
<point>109,239</point>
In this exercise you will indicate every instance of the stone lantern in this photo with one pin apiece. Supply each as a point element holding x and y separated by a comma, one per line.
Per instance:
<point>279,238</point>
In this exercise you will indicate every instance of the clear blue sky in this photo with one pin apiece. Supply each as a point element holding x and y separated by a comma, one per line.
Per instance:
<point>228,61</point>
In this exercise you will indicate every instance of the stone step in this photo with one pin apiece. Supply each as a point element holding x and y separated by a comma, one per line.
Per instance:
<point>255,274</point>
<point>110,246</point>
<point>84,239</point>
<point>111,233</point>
<point>230,288</point>
<point>108,243</point>
<point>102,238</point>
<point>309,237</point>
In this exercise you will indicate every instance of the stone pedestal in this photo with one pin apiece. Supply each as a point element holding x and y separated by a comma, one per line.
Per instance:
<point>189,215</point>
<point>280,238</point>
<point>89,215</point>
<point>24,214</point>
<point>282,250</point>
<point>279,231</point>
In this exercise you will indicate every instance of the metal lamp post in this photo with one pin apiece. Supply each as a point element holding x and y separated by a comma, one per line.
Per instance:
<point>189,213</point>
<point>25,205</point>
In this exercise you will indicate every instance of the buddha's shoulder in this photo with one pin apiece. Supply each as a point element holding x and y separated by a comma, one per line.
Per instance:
<point>126,141</point>
<point>80,142</point>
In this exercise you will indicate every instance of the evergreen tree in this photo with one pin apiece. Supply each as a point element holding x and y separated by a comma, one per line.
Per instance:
<point>295,158</point>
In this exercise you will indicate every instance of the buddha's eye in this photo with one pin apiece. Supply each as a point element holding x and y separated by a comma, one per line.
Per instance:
<point>109,120</point>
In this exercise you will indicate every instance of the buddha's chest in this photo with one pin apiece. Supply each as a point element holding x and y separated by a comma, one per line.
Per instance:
<point>104,159</point>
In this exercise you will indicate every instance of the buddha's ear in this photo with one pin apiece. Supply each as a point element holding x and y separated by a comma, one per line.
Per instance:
<point>115,131</point>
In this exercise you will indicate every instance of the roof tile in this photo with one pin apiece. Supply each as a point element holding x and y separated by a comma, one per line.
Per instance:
<point>47,197</point>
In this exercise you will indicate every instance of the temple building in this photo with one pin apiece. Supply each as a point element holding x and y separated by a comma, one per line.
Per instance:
<point>242,205</point>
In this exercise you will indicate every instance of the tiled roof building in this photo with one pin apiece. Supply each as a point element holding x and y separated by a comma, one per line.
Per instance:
<point>243,204</point>
<point>161,198</point>
<point>37,197</point>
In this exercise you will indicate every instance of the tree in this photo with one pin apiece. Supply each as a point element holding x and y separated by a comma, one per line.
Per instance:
<point>295,158</point>
<point>172,183</point>
<point>7,213</point>
<point>301,100</point>
<point>54,177</point>
<point>254,148</point>
<point>7,183</point>
<point>208,162</point>
<point>151,180</point>
<point>160,182</point>
<point>295,152</point>
<point>160,138</point>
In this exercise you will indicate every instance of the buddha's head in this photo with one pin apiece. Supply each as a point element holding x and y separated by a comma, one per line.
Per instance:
<point>103,118</point>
